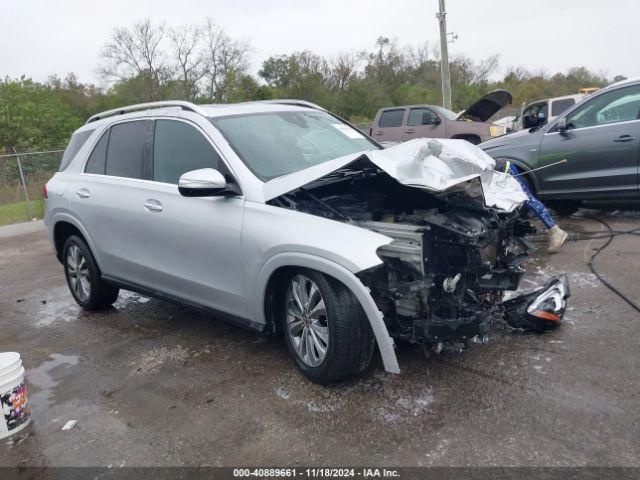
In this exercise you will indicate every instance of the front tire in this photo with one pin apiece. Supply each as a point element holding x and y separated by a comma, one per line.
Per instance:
<point>326,330</point>
<point>87,287</point>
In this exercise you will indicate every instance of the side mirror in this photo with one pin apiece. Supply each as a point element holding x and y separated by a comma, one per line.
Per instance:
<point>529,121</point>
<point>205,182</point>
<point>430,119</point>
<point>562,125</point>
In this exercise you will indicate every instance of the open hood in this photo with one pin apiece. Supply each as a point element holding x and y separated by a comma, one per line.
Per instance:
<point>438,166</point>
<point>487,106</point>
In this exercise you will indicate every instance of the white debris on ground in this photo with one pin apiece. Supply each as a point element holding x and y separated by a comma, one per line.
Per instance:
<point>70,424</point>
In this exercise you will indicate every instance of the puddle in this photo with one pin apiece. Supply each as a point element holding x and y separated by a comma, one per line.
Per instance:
<point>61,308</point>
<point>42,378</point>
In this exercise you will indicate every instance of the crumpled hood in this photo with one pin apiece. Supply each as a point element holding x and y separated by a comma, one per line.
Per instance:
<point>430,164</point>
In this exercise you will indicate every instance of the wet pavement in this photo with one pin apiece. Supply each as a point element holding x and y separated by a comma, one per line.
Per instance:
<point>154,384</point>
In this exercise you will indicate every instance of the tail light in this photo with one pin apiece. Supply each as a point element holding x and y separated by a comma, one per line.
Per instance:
<point>45,194</point>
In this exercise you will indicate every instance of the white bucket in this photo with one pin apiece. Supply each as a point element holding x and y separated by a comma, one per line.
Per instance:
<point>14,411</point>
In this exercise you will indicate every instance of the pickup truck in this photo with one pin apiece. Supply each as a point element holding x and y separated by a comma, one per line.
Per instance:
<point>399,124</point>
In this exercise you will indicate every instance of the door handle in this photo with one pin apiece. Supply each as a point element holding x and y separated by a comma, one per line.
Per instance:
<point>83,193</point>
<point>409,131</point>
<point>377,133</point>
<point>624,138</point>
<point>153,205</point>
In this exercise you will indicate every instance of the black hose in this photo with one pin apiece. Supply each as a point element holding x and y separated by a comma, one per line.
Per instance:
<point>611,233</point>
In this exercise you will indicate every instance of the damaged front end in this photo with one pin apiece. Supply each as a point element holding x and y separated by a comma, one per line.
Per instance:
<point>451,258</point>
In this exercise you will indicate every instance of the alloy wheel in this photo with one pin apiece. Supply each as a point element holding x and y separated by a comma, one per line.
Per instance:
<point>78,273</point>
<point>307,325</point>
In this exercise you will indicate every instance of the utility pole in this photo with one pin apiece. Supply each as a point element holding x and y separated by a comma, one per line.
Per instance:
<point>444,56</point>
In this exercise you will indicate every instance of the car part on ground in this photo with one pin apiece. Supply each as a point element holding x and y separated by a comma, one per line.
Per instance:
<point>539,311</point>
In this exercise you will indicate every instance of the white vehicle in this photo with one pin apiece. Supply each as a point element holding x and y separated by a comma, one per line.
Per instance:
<point>541,112</point>
<point>280,217</point>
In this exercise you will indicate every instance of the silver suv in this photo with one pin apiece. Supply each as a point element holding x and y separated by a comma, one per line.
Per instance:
<point>280,217</point>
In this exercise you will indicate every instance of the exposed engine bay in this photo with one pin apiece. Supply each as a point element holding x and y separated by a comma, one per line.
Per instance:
<point>444,275</point>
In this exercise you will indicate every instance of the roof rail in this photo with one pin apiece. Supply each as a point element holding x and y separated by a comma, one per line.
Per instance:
<point>290,101</point>
<point>148,106</point>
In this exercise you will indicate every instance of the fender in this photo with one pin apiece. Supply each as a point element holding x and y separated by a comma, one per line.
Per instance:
<point>66,216</point>
<point>340,273</point>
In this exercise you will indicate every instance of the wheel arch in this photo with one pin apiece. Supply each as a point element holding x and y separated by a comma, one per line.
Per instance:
<point>467,137</point>
<point>65,226</point>
<point>276,267</point>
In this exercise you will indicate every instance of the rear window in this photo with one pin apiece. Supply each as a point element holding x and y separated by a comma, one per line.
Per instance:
<point>98,157</point>
<point>391,118</point>
<point>126,150</point>
<point>75,144</point>
<point>560,106</point>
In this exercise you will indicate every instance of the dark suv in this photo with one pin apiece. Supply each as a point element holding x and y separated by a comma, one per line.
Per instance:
<point>598,137</point>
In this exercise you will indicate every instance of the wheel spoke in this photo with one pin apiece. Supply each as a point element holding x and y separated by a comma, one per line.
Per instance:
<point>321,347</point>
<point>295,327</point>
<point>318,310</point>
<point>310,353</point>
<point>321,331</point>
<point>295,290</point>
<point>303,294</point>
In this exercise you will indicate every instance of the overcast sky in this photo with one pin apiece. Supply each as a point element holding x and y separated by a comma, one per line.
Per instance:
<point>40,37</point>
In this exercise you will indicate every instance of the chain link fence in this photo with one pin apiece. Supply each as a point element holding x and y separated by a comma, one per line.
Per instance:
<point>22,176</point>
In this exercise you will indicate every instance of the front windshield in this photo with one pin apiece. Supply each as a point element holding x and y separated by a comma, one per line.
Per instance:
<point>448,114</point>
<point>273,144</point>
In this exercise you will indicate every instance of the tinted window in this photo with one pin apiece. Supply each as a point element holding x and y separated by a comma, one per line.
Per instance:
<point>391,118</point>
<point>179,148</point>
<point>125,154</point>
<point>98,157</point>
<point>619,105</point>
<point>415,116</point>
<point>75,144</point>
<point>560,106</point>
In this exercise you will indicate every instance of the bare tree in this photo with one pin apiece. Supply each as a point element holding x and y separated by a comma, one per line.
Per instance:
<point>343,68</point>
<point>225,59</point>
<point>137,52</point>
<point>189,62</point>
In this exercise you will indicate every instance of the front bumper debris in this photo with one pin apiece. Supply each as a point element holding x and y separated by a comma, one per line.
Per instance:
<point>539,311</point>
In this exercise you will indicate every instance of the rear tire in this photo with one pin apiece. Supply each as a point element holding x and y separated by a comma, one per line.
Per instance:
<point>322,314</point>
<point>87,287</point>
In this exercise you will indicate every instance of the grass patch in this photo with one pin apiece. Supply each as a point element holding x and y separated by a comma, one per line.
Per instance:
<point>18,212</point>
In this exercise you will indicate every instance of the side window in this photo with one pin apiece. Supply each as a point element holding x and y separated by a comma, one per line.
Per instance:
<point>126,149</point>
<point>559,106</point>
<point>415,116</point>
<point>621,105</point>
<point>391,118</point>
<point>75,144</point>
<point>178,148</point>
<point>97,159</point>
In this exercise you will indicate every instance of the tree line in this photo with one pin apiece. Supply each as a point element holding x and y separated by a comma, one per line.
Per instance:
<point>202,63</point>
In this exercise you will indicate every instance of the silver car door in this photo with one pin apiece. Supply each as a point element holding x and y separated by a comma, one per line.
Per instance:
<point>192,244</point>
<point>106,198</point>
